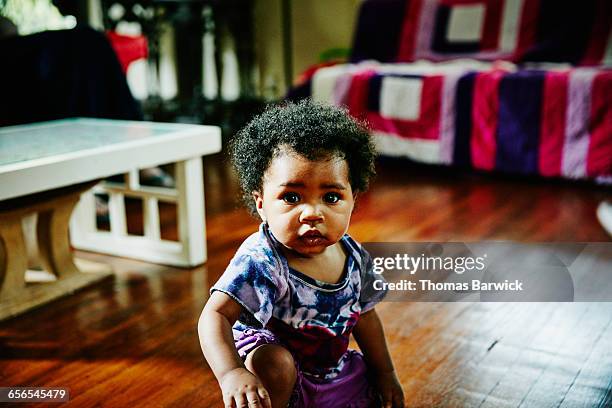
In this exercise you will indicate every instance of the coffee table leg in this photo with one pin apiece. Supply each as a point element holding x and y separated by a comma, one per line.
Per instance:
<point>53,241</point>
<point>191,216</point>
<point>17,292</point>
<point>13,258</point>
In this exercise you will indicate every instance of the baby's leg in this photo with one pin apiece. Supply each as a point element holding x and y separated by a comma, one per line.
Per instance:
<point>275,368</point>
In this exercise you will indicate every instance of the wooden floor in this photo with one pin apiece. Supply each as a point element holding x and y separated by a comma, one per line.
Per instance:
<point>133,342</point>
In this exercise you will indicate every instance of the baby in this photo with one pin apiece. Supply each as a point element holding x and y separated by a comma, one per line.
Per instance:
<point>276,328</point>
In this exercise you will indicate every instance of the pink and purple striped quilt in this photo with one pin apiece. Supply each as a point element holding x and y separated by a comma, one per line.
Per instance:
<point>549,122</point>
<point>579,33</point>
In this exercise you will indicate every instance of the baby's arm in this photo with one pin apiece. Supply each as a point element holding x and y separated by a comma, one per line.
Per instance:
<point>240,387</point>
<point>371,339</point>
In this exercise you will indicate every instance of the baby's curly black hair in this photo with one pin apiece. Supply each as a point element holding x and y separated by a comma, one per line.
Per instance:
<point>312,130</point>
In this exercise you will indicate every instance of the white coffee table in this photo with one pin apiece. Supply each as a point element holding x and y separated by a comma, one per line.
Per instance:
<point>44,169</point>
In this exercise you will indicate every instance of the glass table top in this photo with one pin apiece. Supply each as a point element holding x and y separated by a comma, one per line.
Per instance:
<point>40,140</point>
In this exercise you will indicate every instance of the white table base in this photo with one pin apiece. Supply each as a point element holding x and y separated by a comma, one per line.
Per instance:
<point>188,196</point>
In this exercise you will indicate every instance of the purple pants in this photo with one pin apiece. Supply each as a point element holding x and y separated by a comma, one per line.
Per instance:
<point>349,389</point>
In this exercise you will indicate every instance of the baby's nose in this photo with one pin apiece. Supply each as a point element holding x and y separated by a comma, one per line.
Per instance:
<point>310,214</point>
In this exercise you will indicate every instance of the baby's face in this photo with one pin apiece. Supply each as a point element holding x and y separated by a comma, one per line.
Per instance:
<point>307,204</point>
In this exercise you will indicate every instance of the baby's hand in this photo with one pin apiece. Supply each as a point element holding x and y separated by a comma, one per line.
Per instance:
<point>390,390</point>
<point>242,389</point>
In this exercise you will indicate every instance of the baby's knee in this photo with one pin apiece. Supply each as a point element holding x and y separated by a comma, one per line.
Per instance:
<point>273,364</point>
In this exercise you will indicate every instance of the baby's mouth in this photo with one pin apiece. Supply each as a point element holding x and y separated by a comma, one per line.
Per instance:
<point>312,237</point>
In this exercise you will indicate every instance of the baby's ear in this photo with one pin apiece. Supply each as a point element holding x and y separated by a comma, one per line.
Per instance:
<point>258,197</point>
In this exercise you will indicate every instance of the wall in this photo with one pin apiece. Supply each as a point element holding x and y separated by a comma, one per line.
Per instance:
<point>319,25</point>
<point>316,26</point>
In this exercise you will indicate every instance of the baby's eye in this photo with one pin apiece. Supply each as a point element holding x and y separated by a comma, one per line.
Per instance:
<point>331,198</point>
<point>291,198</point>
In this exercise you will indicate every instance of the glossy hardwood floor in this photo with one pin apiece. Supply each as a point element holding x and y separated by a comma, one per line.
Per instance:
<point>132,341</point>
